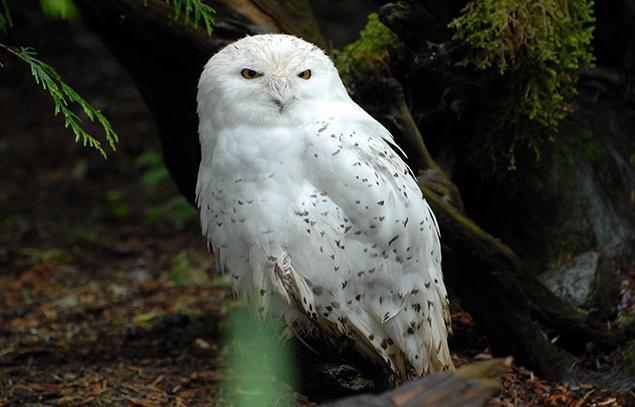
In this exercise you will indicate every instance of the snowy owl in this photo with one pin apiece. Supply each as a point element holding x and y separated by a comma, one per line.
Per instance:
<point>311,210</point>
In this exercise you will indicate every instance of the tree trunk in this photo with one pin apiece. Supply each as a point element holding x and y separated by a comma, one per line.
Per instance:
<point>165,58</point>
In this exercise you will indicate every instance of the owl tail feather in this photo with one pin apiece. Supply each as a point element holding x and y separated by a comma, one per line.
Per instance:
<point>293,288</point>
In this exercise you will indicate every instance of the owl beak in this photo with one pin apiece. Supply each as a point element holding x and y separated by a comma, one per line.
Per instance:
<point>281,93</point>
<point>281,103</point>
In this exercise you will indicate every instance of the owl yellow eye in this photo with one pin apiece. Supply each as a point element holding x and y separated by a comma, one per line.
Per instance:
<point>250,73</point>
<point>305,74</point>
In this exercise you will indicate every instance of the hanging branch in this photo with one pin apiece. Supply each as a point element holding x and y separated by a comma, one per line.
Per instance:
<point>64,97</point>
<point>193,11</point>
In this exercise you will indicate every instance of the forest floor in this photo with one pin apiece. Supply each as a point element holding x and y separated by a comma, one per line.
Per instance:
<point>108,295</point>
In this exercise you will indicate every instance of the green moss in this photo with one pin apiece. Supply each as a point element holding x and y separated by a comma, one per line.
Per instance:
<point>539,46</point>
<point>626,321</point>
<point>370,54</point>
<point>627,357</point>
<point>627,353</point>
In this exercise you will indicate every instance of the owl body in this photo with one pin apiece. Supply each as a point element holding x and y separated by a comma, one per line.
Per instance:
<point>311,210</point>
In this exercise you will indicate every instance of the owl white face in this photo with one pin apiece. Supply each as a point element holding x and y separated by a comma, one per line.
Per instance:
<point>266,79</point>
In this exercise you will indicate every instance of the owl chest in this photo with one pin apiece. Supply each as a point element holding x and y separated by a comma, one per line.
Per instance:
<point>257,176</point>
<point>248,151</point>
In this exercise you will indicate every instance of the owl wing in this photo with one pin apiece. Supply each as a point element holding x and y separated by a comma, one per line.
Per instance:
<point>370,250</point>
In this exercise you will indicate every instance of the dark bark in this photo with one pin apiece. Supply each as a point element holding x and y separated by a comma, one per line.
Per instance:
<point>437,389</point>
<point>165,59</point>
<point>470,386</point>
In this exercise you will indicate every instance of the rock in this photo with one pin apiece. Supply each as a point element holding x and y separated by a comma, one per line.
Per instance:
<point>573,281</point>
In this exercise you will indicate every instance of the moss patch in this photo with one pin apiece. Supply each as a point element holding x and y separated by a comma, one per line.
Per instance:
<point>369,56</point>
<point>539,46</point>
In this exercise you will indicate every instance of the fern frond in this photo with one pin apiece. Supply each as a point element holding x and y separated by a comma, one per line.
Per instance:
<point>193,12</point>
<point>5,16</point>
<point>63,97</point>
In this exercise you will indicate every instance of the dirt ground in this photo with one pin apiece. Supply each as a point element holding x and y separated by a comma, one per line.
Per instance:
<point>106,296</point>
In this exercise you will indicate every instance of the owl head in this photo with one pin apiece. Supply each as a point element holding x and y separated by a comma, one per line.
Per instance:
<point>265,80</point>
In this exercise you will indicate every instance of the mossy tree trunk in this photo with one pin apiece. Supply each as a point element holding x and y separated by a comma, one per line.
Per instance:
<point>165,59</point>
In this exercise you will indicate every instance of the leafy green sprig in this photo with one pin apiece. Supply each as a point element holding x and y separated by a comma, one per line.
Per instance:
<point>62,9</point>
<point>193,12</point>
<point>64,97</point>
